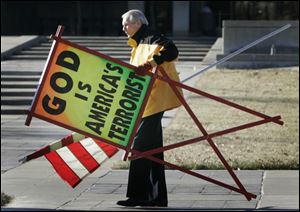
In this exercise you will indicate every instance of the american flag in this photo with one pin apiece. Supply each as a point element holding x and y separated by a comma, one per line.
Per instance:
<point>75,156</point>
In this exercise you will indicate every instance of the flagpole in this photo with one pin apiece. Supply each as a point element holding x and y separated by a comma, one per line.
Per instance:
<point>239,51</point>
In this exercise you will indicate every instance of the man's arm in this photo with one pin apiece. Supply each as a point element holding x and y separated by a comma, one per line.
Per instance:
<point>169,51</point>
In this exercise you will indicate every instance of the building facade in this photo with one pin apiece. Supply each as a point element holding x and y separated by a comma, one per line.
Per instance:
<point>103,18</point>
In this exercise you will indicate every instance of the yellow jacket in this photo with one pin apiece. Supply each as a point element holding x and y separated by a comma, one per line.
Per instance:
<point>162,97</point>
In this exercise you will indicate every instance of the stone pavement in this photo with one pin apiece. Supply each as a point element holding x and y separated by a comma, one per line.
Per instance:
<point>36,186</point>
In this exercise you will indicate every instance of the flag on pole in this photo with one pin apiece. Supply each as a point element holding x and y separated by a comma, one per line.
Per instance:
<point>75,156</point>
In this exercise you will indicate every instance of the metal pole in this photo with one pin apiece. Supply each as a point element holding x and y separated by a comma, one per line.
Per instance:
<point>238,51</point>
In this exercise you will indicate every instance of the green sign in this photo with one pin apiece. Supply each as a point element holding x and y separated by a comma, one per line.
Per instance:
<point>91,93</point>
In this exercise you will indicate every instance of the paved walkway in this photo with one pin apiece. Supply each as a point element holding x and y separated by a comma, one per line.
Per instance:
<point>36,186</point>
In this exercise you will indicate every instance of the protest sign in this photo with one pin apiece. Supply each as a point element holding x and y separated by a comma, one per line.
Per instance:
<point>90,93</point>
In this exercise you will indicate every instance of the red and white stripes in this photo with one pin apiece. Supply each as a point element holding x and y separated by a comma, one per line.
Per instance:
<point>75,156</point>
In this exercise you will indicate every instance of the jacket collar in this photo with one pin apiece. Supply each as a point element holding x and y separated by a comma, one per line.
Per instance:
<point>138,36</point>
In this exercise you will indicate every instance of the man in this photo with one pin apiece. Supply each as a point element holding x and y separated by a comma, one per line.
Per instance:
<point>146,182</point>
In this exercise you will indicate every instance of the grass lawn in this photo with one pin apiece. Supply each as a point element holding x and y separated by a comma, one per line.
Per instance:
<point>269,146</point>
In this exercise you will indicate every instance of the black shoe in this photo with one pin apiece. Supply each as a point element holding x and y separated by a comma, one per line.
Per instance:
<point>132,203</point>
<point>158,204</point>
<point>161,204</point>
<point>129,202</point>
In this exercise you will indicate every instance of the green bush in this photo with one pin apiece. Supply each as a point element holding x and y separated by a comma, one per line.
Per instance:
<point>5,199</point>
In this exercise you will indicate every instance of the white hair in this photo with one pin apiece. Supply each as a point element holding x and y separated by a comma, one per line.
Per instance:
<point>134,16</point>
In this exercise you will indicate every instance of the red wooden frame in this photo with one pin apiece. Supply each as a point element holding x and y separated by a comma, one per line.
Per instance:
<point>149,154</point>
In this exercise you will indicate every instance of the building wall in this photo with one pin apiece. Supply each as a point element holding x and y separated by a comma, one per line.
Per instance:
<point>187,18</point>
<point>78,17</point>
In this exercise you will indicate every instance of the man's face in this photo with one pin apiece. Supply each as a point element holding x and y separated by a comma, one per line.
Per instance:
<point>130,28</point>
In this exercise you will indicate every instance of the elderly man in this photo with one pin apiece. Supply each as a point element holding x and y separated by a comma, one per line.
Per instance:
<point>146,182</point>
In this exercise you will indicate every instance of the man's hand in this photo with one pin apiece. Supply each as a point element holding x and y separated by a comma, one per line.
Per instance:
<point>142,69</point>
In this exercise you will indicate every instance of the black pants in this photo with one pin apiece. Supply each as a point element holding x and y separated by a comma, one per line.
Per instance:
<point>147,178</point>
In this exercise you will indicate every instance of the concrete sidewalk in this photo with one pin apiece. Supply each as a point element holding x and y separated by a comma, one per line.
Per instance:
<point>35,185</point>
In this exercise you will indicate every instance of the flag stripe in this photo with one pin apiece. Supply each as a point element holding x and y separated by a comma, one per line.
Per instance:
<point>108,149</point>
<point>84,156</point>
<point>72,162</point>
<point>77,136</point>
<point>67,140</point>
<point>55,146</point>
<point>62,169</point>
<point>94,150</point>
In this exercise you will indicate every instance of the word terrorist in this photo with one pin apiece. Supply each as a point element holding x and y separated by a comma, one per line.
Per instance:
<point>103,102</point>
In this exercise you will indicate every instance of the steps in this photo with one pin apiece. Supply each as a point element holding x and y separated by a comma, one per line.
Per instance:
<point>21,72</point>
<point>191,49</point>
